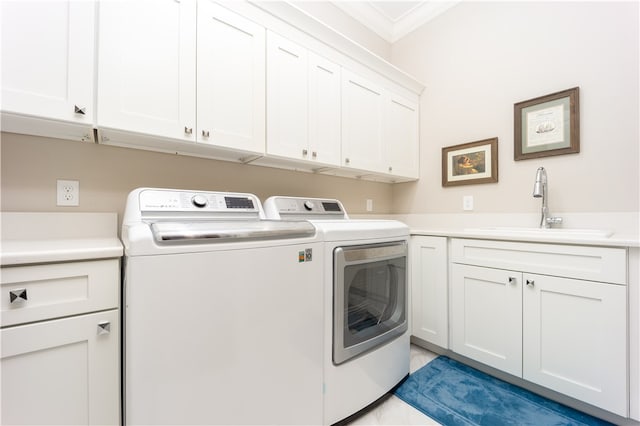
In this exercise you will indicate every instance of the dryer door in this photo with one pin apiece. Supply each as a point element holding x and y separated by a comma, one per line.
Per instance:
<point>370,297</point>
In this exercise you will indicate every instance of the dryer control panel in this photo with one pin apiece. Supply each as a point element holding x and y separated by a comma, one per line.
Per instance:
<point>279,207</point>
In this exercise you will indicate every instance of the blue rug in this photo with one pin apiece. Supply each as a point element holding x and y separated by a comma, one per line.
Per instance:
<point>455,394</point>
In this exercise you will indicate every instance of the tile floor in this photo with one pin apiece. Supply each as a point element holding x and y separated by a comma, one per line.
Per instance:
<point>394,411</point>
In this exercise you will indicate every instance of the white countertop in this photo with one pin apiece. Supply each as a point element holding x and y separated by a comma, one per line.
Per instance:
<point>615,240</point>
<point>28,238</point>
<point>624,226</point>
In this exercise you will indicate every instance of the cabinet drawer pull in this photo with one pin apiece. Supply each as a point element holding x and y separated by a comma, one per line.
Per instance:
<point>314,154</point>
<point>305,152</point>
<point>18,295</point>
<point>188,130</point>
<point>104,327</point>
<point>79,110</point>
<point>512,280</point>
<point>530,283</point>
<point>347,161</point>
<point>205,133</point>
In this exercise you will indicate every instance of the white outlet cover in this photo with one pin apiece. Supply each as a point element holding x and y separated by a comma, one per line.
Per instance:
<point>68,193</point>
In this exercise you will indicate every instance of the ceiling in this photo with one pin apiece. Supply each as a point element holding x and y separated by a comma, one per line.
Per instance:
<point>392,20</point>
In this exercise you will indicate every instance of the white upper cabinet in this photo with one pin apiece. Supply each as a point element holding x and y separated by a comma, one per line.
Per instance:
<point>363,107</point>
<point>48,61</point>
<point>287,98</point>
<point>401,139</point>
<point>147,67</point>
<point>324,110</point>
<point>231,79</point>
<point>303,104</point>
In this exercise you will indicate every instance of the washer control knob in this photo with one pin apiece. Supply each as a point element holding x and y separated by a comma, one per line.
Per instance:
<point>199,201</point>
<point>308,205</point>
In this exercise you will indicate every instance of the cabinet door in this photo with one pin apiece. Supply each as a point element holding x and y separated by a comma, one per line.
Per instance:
<point>62,372</point>
<point>575,339</point>
<point>146,67</point>
<point>429,313</point>
<point>486,316</point>
<point>324,110</point>
<point>48,59</point>
<point>231,80</point>
<point>287,98</point>
<point>401,140</point>
<point>362,116</point>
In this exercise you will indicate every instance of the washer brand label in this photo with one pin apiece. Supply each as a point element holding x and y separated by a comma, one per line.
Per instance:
<point>305,256</point>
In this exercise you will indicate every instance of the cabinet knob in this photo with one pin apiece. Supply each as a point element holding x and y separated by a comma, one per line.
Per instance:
<point>205,133</point>
<point>347,161</point>
<point>305,152</point>
<point>104,327</point>
<point>390,169</point>
<point>512,280</point>
<point>188,130</point>
<point>530,283</point>
<point>79,110</point>
<point>314,154</point>
<point>18,295</point>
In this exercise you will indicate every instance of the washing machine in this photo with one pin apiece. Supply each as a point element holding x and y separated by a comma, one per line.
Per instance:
<point>366,338</point>
<point>223,314</point>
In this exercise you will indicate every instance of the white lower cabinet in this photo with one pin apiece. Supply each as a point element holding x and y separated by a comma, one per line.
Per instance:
<point>62,371</point>
<point>429,301</point>
<point>486,316</point>
<point>555,315</point>
<point>60,355</point>
<point>574,339</point>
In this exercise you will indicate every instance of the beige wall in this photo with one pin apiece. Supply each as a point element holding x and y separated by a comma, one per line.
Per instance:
<point>31,165</point>
<point>479,58</point>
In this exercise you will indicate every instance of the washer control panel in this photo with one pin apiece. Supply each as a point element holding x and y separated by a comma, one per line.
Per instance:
<point>160,200</point>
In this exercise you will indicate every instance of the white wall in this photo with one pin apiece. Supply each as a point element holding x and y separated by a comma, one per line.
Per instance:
<point>335,18</point>
<point>479,58</point>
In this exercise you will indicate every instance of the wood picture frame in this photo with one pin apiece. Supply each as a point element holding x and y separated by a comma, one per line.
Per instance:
<point>547,125</point>
<point>470,163</point>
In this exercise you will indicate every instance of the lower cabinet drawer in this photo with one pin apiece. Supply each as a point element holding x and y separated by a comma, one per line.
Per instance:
<point>39,292</point>
<point>603,264</point>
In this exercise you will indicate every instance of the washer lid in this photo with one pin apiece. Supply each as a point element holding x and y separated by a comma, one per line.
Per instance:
<point>229,231</point>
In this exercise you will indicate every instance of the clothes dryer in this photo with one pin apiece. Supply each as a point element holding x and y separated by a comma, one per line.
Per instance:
<point>366,342</point>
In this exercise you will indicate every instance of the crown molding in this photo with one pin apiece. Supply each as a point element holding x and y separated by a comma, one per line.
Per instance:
<point>389,29</point>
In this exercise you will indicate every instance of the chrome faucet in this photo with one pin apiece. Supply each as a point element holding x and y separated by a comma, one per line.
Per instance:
<point>540,190</point>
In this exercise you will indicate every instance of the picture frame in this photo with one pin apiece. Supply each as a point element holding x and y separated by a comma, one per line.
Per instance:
<point>547,125</point>
<point>470,163</point>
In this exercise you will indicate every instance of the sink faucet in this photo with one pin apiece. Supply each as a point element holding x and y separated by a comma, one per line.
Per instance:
<point>540,190</point>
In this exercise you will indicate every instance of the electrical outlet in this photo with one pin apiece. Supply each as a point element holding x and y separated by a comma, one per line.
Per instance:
<point>68,193</point>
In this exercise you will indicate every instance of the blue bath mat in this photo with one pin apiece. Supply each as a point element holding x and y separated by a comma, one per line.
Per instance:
<point>455,394</point>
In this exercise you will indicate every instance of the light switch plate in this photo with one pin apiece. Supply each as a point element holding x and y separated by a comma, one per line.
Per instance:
<point>467,202</point>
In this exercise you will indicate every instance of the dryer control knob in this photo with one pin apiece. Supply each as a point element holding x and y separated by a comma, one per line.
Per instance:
<point>199,201</point>
<point>308,205</point>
